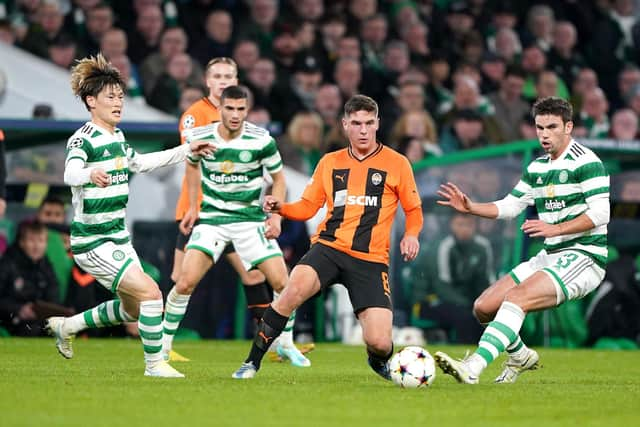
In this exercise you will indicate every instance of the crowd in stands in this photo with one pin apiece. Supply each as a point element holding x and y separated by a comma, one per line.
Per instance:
<point>449,74</point>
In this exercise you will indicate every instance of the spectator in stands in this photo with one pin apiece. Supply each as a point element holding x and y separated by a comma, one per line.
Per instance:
<point>172,42</point>
<point>414,124</point>
<point>409,97</point>
<point>504,17</point>
<point>507,45</point>
<point>328,104</point>
<point>27,281</point>
<point>527,127</point>
<point>373,34</point>
<point>416,149</point>
<point>585,81</point>
<point>307,10</point>
<point>51,211</point>
<point>285,51</point>
<point>436,92</point>
<point>76,17</point>
<point>624,125</point>
<point>302,87</point>
<point>508,103</point>
<point>134,89</point>
<point>260,25</point>
<point>467,96</point>
<point>145,39</point>
<point>534,62</point>
<point>245,53</point>
<point>302,148</point>
<point>217,41</point>
<point>261,79</point>
<point>99,21</point>
<point>348,77</point>
<point>165,95</point>
<point>465,132</point>
<point>547,84</point>
<point>472,45</point>
<point>189,96</point>
<point>358,11</point>
<point>260,116</point>
<point>492,70</point>
<point>46,27</point>
<point>416,36</point>
<point>463,268</point>
<point>395,61</point>
<point>113,43</point>
<point>332,29</point>
<point>457,23</point>
<point>540,27</point>
<point>42,111</point>
<point>593,116</point>
<point>62,51</point>
<point>563,58</point>
<point>627,79</point>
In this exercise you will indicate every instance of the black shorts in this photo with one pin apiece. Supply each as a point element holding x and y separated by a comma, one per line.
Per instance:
<point>182,240</point>
<point>367,282</point>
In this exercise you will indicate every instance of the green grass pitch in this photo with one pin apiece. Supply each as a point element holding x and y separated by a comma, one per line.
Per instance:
<point>103,385</point>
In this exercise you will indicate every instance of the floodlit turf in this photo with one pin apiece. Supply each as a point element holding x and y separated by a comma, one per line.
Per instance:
<point>103,386</point>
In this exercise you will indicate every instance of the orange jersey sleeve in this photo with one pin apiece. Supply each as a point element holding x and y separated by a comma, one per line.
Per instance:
<point>201,113</point>
<point>362,197</point>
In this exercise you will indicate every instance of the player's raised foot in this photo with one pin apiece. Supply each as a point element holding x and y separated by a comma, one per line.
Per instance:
<point>293,354</point>
<point>458,369</point>
<point>381,369</point>
<point>174,356</point>
<point>162,370</point>
<point>513,368</point>
<point>246,371</point>
<point>53,326</point>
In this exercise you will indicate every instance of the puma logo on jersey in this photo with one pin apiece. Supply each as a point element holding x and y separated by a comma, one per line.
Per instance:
<point>340,177</point>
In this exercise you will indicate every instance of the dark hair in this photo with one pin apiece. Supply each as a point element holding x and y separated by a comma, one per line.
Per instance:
<point>360,103</point>
<point>515,70</point>
<point>553,106</point>
<point>233,92</point>
<point>51,200</point>
<point>91,75</point>
<point>30,226</point>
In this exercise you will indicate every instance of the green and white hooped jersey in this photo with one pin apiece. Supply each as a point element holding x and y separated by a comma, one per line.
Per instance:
<point>560,190</point>
<point>99,213</point>
<point>233,177</point>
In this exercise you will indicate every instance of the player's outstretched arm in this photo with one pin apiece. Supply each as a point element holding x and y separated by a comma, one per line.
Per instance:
<point>456,199</point>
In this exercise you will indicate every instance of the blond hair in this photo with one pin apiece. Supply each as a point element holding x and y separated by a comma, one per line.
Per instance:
<point>91,75</point>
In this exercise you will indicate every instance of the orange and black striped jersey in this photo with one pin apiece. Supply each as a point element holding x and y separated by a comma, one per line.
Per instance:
<point>362,198</point>
<point>201,113</point>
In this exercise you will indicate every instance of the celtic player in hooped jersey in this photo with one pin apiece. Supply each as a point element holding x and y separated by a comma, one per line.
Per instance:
<point>569,188</point>
<point>231,181</point>
<point>97,169</point>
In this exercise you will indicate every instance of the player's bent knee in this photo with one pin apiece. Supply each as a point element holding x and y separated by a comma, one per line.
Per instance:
<point>379,343</point>
<point>483,311</point>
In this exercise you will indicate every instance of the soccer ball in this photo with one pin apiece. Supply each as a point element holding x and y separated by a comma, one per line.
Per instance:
<point>412,367</point>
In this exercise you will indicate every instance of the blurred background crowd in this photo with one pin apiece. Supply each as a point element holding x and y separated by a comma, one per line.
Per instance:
<point>450,76</point>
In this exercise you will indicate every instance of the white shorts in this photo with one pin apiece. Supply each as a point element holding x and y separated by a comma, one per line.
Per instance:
<point>574,273</point>
<point>247,237</point>
<point>108,263</point>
